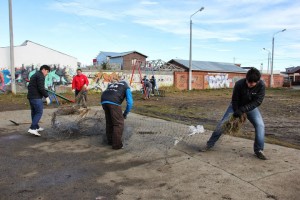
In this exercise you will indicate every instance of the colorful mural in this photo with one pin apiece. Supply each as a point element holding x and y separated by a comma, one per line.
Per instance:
<point>57,76</point>
<point>63,77</point>
<point>100,80</point>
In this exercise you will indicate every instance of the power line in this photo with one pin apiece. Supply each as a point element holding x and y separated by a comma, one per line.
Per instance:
<point>97,31</point>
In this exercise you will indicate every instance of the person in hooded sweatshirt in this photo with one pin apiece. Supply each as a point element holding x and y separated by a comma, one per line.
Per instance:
<point>111,101</point>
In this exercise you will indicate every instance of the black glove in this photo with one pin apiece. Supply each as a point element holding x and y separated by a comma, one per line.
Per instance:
<point>124,115</point>
<point>237,114</point>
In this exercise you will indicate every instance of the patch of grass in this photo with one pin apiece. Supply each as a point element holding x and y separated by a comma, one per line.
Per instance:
<point>170,89</point>
<point>268,139</point>
<point>14,98</point>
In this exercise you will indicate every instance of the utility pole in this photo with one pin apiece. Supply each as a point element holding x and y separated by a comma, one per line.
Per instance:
<point>272,66</point>
<point>269,59</point>
<point>190,59</point>
<point>11,48</point>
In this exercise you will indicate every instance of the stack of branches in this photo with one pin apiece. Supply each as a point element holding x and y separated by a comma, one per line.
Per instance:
<point>233,125</point>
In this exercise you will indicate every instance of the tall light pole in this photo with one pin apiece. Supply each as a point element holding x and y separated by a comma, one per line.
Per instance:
<point>269,55</point>
<point>11,48</point>
<point>190,61</point>
<point>271,81</point>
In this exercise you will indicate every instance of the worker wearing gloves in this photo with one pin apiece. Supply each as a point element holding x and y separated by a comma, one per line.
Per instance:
<point>111,100</point>
<point>36,92</point>
<point>248,95</point>
<point>80,82</point>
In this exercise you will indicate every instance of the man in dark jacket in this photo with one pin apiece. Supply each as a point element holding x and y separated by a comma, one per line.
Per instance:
<point>111,100</point>
<point>248,94</point>
<point>36,92</point>
<point>153,82</point>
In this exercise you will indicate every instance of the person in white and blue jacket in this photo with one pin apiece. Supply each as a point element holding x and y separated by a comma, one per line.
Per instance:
<point>111,101</point>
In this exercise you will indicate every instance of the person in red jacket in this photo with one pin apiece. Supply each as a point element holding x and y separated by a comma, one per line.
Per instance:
<point>80,82</point>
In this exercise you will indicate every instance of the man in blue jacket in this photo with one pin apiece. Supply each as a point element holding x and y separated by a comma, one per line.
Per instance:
<point>111,100</point>
<point>247,96</point>
<point>36,92</point>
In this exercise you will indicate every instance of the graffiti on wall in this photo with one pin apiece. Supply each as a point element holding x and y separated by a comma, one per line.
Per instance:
<point>63,77</point>
<point>56,77</point>
<point>218,80</point>
<point>100,80</point>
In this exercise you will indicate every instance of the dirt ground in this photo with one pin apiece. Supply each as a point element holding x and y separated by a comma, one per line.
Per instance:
<point>151,166</point>
<point>280,110</point>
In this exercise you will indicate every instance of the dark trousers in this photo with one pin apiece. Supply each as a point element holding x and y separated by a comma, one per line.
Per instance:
<point>82,99</point>
<point>36,106</point>
<point>114,125</point>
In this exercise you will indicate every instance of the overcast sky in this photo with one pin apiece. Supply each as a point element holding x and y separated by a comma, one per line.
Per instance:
<point>233,31</point>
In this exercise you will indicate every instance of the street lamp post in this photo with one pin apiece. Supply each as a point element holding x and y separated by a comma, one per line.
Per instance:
<point>271,81</point>
<point>190,61</point>
<point>11,47</point>
<point>269,55</point>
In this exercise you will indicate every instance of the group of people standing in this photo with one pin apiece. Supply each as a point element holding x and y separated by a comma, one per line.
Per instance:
<point>248,94</point>
<point>149,86</point>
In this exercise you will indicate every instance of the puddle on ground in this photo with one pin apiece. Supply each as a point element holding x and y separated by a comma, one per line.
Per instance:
<point>10,137</point>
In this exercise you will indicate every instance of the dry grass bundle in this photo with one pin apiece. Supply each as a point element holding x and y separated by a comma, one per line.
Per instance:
<point>233,125</point>
<point>67,110</point>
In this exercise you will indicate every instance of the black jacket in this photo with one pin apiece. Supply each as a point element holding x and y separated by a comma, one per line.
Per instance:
<point>246,99</point>
<point>153,82</point>
<point>36,87</point>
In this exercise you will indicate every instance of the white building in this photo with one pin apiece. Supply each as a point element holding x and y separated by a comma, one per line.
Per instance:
<point>30,53</point>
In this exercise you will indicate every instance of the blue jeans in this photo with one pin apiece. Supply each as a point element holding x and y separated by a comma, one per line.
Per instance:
<point>36,106</point>
<point>256,120</point>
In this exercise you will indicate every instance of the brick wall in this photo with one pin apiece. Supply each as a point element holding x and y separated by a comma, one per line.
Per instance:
<point>278,80</point>
<point>127,62</point>
<point>209,80</point>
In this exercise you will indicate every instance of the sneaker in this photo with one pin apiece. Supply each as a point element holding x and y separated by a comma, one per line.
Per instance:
<point>260,155</point>
<point>34,132</point>
<point>206,148</point>
<point>40,129</point>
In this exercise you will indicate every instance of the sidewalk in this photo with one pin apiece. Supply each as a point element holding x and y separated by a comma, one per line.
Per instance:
<point>85,168</point>
<point>296,87</point>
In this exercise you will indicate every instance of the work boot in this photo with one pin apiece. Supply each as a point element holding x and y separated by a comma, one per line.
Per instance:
<point>206,148</point>
<point>260,155</point>
<point>34,132</point>
<point>118,147</point>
